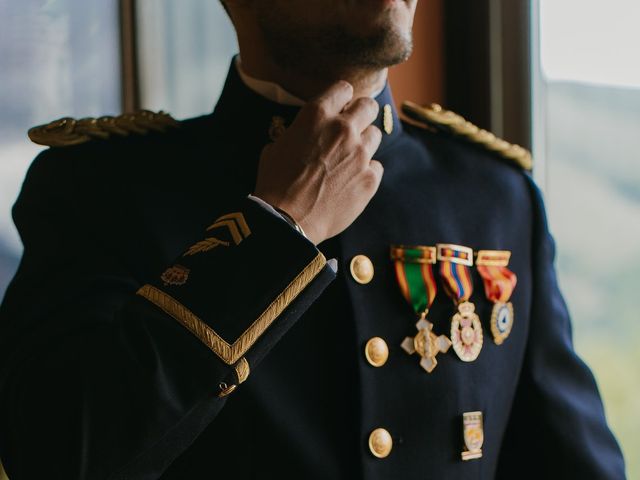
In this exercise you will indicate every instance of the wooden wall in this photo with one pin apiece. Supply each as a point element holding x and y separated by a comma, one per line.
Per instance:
<point>421,78</point>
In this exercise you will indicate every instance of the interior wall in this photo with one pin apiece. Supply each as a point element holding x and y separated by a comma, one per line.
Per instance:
<point>421,78</point>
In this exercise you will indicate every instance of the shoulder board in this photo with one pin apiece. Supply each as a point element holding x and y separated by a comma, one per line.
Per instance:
<point>437,118</point>
<point>69,131</point>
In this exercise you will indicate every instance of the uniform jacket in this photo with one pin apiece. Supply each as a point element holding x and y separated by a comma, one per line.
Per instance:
<point>164,326</point>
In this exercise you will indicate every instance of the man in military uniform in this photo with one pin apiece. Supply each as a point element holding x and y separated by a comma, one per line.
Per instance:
<point>175,314</point>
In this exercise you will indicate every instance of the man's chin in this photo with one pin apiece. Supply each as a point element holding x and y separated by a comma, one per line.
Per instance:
<point>389,47</point>
<point>394,49</point>
<point>340,47</point>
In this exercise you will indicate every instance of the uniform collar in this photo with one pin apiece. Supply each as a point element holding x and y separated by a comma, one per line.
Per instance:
<point>269,90</point>
<point>260,109</point>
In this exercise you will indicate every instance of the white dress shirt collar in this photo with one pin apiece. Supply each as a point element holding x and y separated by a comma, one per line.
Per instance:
<point>273,91</point>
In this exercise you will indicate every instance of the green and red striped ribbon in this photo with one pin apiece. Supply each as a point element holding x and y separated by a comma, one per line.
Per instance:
<point>414,273</point>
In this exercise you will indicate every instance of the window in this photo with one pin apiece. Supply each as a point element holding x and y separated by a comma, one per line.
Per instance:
<point>57,58</point>
<point>586,143</point>
<point>62,58</point>
<point>185,52</point>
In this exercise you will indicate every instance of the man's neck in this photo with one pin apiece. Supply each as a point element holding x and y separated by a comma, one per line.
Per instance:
<point>304,86</point>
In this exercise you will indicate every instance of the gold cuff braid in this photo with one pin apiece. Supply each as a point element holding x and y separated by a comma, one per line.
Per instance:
<point>231,353</point>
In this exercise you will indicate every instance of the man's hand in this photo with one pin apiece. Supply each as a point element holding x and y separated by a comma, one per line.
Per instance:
<point>320,170</point>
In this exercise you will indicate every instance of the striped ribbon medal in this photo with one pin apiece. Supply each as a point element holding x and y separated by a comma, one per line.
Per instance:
<point>466,330</point>
<point>499,283</point>
<point>414,272</point>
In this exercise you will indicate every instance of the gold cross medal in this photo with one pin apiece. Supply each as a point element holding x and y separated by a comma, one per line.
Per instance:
<point>414,273</point>
<point>466,329</point>
<point>499,283</point>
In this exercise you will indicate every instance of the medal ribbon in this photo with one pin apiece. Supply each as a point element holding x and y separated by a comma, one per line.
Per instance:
<point>457,281</point>
<point>499,281</point>
<point>454,269</point>
<point>414,273</point>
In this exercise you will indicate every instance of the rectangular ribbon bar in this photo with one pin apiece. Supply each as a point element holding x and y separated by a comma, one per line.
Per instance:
<point>455,254</point>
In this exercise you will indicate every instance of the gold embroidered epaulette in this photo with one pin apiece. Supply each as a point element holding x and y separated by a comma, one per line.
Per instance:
<point>437,118</point>
<point>69,131</point>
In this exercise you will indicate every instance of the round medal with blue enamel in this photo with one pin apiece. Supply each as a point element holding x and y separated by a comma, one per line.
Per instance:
<point>501,322</point>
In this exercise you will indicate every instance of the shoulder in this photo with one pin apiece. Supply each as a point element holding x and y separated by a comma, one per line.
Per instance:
<point>132,127</point>
<point>67,131</point>
<point>143,135</point>
<point>460,135</point>
<point>93,154</point>
<point>473,163</point>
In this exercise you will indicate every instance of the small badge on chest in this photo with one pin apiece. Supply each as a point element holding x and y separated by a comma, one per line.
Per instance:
<point>473,434</point>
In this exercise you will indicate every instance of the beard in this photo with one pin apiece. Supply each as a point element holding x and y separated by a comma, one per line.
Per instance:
<point>328,50</point>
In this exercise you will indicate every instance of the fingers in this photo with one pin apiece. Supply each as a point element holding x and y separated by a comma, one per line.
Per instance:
<point>334,99</point>
<point>371,138</point>
<point>377,170</point>
<point>361,113</point>
<point>372,177</point>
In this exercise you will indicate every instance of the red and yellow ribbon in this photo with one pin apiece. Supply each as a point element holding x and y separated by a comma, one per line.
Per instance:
<point>499,281</point>
<point>499,284</point>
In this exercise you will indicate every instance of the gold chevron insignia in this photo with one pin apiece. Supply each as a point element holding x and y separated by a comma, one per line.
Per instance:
<point>436,117</point>
<point>234,222</point>
<point>69,131</point>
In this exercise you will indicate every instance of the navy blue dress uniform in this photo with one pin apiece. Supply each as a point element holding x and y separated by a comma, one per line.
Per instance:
<point>164,325</point>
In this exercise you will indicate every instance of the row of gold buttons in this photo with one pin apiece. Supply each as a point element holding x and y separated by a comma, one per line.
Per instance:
<point>376,352</point>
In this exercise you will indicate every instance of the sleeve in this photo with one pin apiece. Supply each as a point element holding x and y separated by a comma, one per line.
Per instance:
<point>557,427</point>
<point>105,376</point>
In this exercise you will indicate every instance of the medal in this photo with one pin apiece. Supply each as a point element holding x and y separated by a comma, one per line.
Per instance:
<point>414,273</point>
<point>473,434</point>
<point>499,283</point>
<point>466,330</point>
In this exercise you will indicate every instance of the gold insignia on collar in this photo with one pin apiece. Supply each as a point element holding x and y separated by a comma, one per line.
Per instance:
<point>387,119</point>
<point>69,131</point>
<point>435,117</point>
<point>277,128</point>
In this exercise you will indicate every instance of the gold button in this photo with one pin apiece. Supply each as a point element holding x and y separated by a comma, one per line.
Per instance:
<point>361,269</point>
<point>376,352</point>
<point>380,443</point>
<point>226,389</point>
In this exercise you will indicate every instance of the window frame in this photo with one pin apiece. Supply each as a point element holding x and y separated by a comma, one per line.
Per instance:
<point>488,65</point>
<point>538,102</point>
<point>130,71</point>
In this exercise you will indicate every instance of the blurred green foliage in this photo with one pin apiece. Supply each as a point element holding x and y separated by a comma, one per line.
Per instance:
<point>593,200</point>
